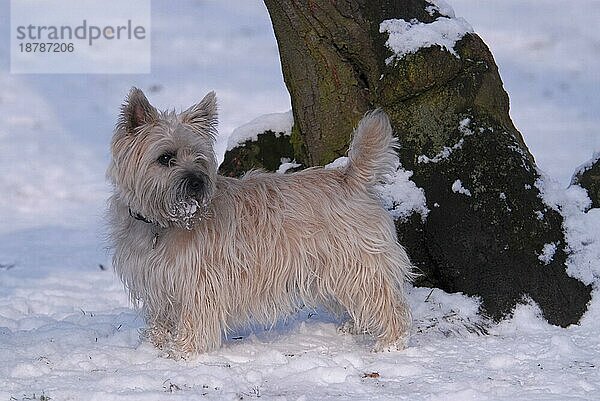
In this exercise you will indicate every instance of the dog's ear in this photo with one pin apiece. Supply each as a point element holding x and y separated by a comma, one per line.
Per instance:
<point>136,111</point>
<point>203,117</point>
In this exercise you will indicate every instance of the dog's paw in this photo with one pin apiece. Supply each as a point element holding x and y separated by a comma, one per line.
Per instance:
<point>172,352</point>
<point>156,336</point>
<point>349,327</point>
<point>397,345</point>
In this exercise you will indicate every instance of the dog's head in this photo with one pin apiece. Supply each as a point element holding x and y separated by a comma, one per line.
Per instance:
<point>163,165</point>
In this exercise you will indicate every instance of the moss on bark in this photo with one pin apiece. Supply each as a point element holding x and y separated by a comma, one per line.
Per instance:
<point>264,153</point>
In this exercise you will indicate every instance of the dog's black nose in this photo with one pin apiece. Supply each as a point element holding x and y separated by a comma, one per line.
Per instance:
<point>195,184</point>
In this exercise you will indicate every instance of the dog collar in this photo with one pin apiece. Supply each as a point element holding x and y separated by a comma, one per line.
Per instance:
<point>139,217</point>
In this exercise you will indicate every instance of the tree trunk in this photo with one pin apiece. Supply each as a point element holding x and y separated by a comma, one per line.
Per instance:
<point>451,115</point>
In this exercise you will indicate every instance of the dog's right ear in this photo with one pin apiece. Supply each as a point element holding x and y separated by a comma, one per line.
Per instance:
<point>135,112</point>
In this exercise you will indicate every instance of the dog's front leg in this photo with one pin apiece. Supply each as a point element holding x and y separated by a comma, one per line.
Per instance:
<point>199,330</point>
<point>160,326</point>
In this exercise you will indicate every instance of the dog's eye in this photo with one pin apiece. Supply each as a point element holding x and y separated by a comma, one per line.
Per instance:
<point>166,159</point>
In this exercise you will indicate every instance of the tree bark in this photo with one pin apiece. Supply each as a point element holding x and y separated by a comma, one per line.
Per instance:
<point>487,244</point>
<point>265,153</point>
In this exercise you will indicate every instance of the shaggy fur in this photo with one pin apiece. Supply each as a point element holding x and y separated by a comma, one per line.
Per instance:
<point>202,254</point>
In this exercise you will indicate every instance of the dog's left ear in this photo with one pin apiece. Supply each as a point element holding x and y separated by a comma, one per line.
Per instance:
<point>203,117</point>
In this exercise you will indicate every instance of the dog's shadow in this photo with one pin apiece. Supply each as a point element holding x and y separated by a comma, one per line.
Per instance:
<point>284,326</point>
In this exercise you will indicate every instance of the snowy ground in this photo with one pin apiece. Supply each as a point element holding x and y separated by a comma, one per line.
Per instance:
<point>67,331</point>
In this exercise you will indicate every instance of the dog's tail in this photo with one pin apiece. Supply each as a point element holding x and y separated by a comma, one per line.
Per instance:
<point>372,152</point>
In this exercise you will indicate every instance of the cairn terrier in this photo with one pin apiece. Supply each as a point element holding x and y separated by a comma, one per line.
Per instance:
<point>202,254</point>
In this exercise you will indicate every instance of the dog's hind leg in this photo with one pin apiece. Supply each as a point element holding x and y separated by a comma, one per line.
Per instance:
<point>375,302</point>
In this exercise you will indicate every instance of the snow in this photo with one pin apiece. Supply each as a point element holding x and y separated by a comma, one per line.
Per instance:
<point>463,126</point>
<point>401,196</point>
<point>581,227</point>
<point>443,154</point>
<point>441,6</point>
<point>582,168</point>
<point>184,212</point>
<point>547,253</point>
<point>446,152</point>
<point>406,37</point>
<point>338,163</point>
<point>276,122</point>
<point>286,165</point>
<point>68,331</point>
<point>458,188</point>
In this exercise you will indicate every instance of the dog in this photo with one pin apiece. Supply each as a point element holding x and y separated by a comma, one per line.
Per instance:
<point>202,254</point>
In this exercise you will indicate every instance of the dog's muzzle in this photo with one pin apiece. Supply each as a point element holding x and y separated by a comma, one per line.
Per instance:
<point>195,185</point>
